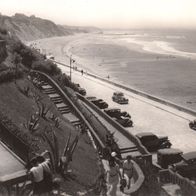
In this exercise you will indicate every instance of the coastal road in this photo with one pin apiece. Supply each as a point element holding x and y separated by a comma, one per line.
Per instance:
<point>147,115</point>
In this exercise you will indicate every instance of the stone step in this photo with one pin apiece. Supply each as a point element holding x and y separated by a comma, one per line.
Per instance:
<point>63,107</point>
<point>76,123</point>
<point>44,83</point>
<point>49,91</point>
<point>65,111</point>
<point>56,99</point>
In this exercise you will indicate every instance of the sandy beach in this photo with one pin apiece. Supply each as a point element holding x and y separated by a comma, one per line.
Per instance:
<point>153,66</point>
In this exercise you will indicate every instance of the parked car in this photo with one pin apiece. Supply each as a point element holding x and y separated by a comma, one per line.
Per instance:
<point>153,142</point>
<point>187,166</point>
<point>91,98</point>
<point>125,122</point>
<point>79,89</point>
<point>119,98</point>
<point>82,91</point>
<point>100,103</point>
<point>192,124</point>
<point>168,156</point>
<point>117,113</point>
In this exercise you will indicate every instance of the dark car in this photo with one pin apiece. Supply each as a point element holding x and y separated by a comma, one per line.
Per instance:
<point>100,103</point>
<point>125,122</point>
<point>119,98</point>
<point>192,124</point>
<point>117,113</point>
<point>187,166</point>
<point>82,91</point>
<point>79,89</point>
<point>153,142</point>
<point>90,98</point>
<point>168,156</point>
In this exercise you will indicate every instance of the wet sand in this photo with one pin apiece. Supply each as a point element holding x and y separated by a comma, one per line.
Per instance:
<point>166,75</point>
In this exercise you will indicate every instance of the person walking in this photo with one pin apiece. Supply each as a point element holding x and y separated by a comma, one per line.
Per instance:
<point>128,169</point>
<point>113,175</point>
<point>36,176</point>
<point>41,174</point>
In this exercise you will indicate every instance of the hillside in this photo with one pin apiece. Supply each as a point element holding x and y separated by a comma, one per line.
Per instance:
<point>21,103</point>
<point>32,28</point>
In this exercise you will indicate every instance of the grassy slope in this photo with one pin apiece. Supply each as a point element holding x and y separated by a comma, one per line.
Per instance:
<point>18,107</point>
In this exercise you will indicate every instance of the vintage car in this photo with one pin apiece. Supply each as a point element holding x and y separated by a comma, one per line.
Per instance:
<point>117,113</point>
<point>187,166</point>
<point>153,142</point>
<point>119,98</point>
<point>125,122</point>
<point>79,89</point>
<point>192,124</point>
<point>100,103</point>
<point>168,156</point>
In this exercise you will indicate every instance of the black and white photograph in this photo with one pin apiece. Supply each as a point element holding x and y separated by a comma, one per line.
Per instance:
<point>98,98</point>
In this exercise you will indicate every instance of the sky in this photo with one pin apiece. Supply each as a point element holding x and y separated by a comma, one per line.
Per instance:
<point>108,13</point>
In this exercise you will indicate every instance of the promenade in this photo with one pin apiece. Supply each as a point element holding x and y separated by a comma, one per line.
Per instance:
<point>147,115</point>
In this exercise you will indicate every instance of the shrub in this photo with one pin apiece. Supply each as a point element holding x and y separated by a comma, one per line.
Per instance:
<point>46,66</point>
<point>3,31</point>
<point>9,75</point>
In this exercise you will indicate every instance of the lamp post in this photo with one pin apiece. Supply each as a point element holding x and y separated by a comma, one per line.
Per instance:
<point>70,66</point>
<point>70,63</point>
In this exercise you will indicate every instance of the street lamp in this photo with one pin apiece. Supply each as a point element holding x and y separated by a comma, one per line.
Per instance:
<point>70,63</point>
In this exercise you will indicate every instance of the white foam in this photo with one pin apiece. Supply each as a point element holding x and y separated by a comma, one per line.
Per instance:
<point>159,47</point>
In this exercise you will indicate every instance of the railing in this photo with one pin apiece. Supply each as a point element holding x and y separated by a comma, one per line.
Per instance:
<point>72,99</point>
<point>131,137</point>
<point>100,144</point>
<point>14,143</point>
<point>187,187</point>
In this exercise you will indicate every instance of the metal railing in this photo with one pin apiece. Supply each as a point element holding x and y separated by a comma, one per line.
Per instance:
<point>187,187</point>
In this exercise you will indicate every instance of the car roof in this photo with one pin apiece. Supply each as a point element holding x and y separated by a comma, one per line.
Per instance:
<point>108,109</point>
<point>169,151</point>
<point>91,97</point>
<point>118,92</point>
<point>142,134</point>
<point>189,155</point>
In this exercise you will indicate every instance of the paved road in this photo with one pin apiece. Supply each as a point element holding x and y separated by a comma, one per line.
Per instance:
<point>147,115</point>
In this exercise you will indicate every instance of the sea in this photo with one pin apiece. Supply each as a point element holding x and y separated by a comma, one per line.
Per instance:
<point>160,62</point>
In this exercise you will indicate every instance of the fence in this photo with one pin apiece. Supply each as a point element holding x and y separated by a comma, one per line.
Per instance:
<point>132,138</point>
<point>97,129</point>
<point>187,187</point>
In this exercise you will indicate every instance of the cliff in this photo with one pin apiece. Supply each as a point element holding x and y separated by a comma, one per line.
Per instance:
<point>32,28</point>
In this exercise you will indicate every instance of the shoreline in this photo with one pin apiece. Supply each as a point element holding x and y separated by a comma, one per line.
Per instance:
<point>162,75</point>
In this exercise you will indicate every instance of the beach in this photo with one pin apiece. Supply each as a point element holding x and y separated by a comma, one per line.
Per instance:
<point>157,65</point>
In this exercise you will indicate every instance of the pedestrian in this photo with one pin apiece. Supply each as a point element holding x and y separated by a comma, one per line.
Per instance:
<point>41,174</point>
<point>36,176</point>
<point>128,169</point>
<point>82,71</point>
<point>113,175</point>
<point>47,173</point>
